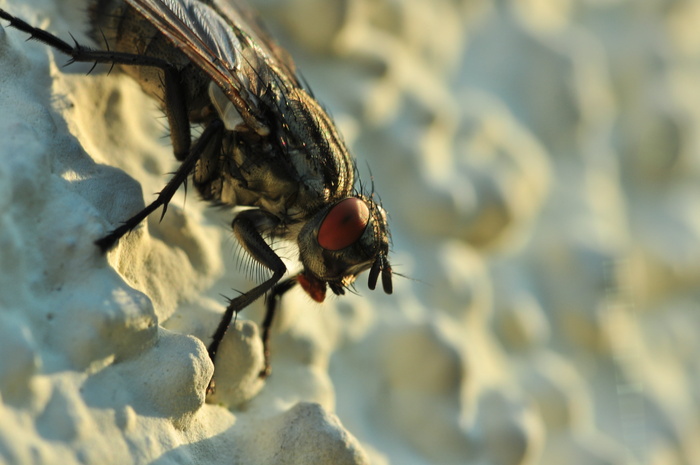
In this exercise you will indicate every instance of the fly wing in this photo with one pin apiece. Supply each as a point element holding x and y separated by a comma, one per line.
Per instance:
<point>228,43</point>
<point>239,13</point>
<point>239,57</point>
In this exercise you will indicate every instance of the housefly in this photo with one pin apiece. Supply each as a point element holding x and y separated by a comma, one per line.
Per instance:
<point>265,143</point>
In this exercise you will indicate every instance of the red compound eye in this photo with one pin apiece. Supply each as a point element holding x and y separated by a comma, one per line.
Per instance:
<point>344,224</point>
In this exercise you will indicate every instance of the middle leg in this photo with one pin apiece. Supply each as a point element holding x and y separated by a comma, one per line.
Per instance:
<point>212,134</point>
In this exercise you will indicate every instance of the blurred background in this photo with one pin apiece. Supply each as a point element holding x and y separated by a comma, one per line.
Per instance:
<point>539,160</point>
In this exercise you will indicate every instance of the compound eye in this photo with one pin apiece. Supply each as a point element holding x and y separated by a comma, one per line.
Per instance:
<point>344,224</point>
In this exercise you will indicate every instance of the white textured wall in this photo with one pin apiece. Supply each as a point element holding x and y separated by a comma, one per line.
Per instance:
<point>540,163</point>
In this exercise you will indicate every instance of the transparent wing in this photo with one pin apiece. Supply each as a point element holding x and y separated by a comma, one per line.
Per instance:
<point>228,43</point>
<point>238,12</point>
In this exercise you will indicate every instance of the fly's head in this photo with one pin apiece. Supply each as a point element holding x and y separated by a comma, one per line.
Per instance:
<point>340,242</point>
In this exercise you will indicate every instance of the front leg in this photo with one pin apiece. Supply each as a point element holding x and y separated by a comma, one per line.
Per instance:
<point>272,300</point>
<point>245,227</point>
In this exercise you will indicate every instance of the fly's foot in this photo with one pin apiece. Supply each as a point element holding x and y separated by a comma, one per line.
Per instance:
<point>267,370</point>
<point>238,364</point>
<point>211,388</point>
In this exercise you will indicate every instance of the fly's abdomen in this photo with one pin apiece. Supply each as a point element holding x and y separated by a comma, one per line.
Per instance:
<point>127,31</point>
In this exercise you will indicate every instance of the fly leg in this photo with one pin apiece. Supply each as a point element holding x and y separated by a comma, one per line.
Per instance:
<point>272,300</point>
<point>246,229</point>
<point>212,134</point>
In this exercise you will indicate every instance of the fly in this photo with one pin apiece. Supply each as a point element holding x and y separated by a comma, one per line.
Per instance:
<point>265,143</point>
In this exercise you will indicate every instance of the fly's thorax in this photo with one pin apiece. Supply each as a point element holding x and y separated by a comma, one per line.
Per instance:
<point>252,170</point>
<point>297,167</point>
<point>343,240</point>
<point>309,138</point>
